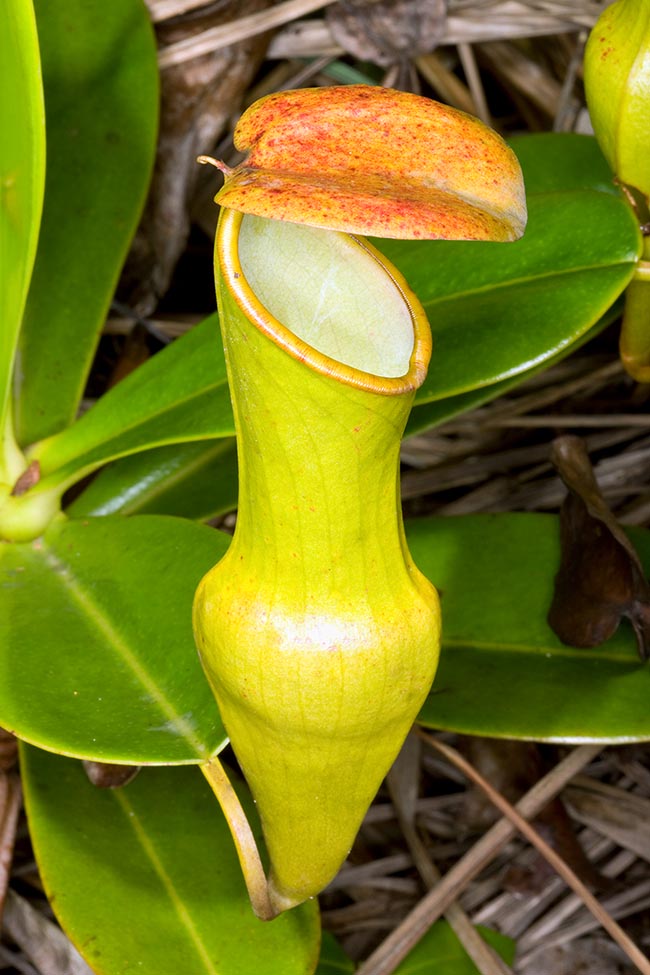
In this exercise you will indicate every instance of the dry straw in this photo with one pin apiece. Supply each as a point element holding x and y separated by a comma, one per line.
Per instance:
<point>468,22</point>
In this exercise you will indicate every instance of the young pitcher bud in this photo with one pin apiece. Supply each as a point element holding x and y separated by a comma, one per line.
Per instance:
<point>617,86</point>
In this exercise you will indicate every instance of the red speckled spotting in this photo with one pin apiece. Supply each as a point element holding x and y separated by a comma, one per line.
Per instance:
<point>377,162</point>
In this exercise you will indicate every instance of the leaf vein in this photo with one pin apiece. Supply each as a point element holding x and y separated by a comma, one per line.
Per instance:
<point>574,653</point>
<point>166,880</point>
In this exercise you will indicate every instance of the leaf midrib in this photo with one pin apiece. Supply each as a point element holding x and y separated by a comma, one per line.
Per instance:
<point>71,583</point>
<point>515,282</point>
<point>573,653</point>
<point>166,880</point>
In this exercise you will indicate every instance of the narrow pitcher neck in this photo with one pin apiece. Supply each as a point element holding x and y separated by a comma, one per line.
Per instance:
<point>318,448</point>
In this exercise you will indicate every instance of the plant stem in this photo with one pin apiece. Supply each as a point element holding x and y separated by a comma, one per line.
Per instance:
<point>635,332</point>
<point>12,462</point>
<point>26,513</point>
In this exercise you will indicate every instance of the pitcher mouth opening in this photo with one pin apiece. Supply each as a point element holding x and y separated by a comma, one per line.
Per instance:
<point>388,357</point>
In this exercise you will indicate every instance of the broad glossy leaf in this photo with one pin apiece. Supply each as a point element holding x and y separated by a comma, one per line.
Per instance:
<point>180,394</point>
<point>561,162</point>
<point>22,178</point>
<point>101,99</point>
<point>191,480</point>
<point>441,953</point>
<point>97,657</point>
<point>428,415</point>
<point>146,878</point>
<point>503,672</point>
<point>497,310</point>
<point>552,164</point>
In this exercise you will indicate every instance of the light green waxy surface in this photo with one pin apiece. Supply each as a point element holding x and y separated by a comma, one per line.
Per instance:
<point>335,309</point>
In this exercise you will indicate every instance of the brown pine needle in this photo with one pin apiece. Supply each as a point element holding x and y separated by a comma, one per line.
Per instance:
<point>484,956</point>
<point>397,945</point>
<point>549,854</point>
<point>10,806</point>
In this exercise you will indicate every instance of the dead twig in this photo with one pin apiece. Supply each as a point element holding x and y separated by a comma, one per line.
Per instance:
<point>225,34</point>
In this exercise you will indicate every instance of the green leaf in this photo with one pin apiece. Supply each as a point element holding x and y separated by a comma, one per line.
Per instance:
<point>511,329</point>
<point>561,162</point>
<point>428,415</point>
<point>97,657</point>
<point>22,180</point>
<point>191,480</point>
<point>180,394</point>
<point>498,310</point>
<point>101,100</point>
<point>333,960</point>
<point>441,953</point>
<point>145,878</point>
<point>503,672</point>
